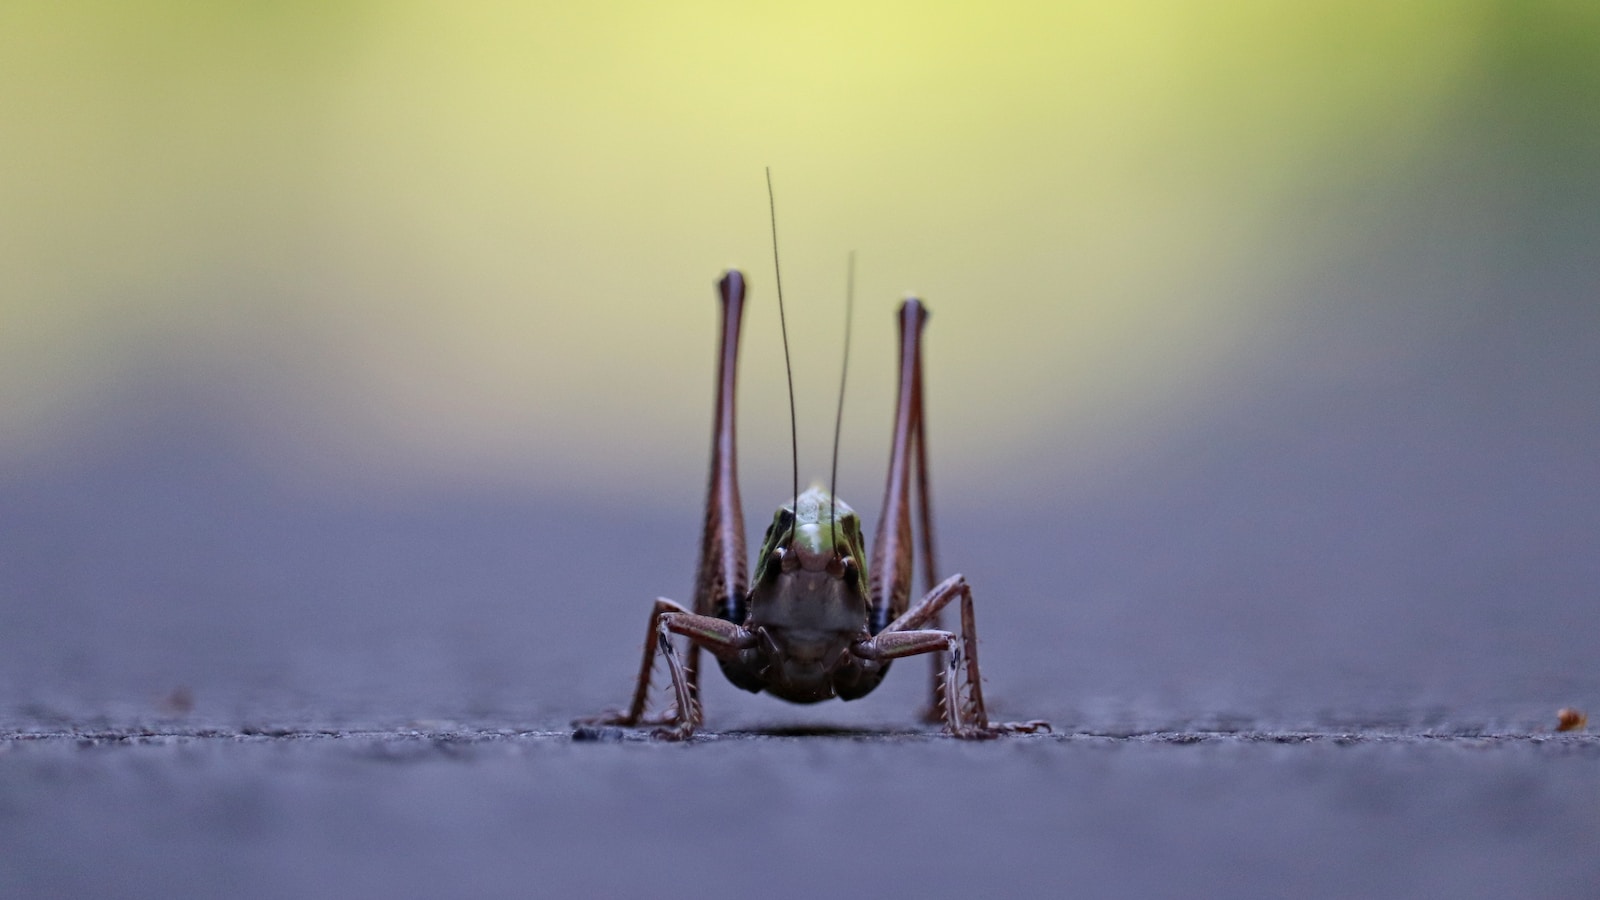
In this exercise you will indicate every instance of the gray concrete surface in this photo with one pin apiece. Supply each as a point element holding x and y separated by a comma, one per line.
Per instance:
<point>509,813</point>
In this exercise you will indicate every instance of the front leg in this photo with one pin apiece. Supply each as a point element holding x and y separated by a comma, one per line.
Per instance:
<point>965,716</point>
<point>720,637</point>
<point>641,690</point>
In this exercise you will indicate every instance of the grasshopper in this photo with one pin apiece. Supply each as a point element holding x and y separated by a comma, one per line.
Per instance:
<point>818,622</point>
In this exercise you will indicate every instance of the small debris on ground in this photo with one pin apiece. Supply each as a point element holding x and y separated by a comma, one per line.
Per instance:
<point>178,702</point>
<point>601,734</point>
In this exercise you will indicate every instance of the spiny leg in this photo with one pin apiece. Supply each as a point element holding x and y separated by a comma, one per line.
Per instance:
<point>681,726</point>
<point>891,566</point>
<point>930,559</point>
<point>721,579</point>
<point>641,690</point>
<point>968,716</point>
<point>692,670</point>
<point>961,720</point>
<point>722,638</point>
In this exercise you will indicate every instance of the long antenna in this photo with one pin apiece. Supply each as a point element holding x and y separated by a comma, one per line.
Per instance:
<point>788,370</point>
<point>844,371</point>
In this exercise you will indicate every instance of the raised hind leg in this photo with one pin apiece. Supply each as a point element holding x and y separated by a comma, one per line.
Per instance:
<point>721,582</point>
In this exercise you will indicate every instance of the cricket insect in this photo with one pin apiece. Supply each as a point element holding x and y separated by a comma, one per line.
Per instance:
<point>818,622</point>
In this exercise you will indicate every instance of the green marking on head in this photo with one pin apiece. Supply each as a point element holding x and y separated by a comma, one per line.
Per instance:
<point>815,527</point>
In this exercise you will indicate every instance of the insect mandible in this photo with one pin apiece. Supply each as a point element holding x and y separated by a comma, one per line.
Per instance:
<point>818,621</point>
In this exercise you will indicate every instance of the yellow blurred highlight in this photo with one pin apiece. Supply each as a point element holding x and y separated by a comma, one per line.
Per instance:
<point>478,241</point>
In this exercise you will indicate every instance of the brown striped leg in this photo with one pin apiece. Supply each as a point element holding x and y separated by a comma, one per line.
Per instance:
<point>666,619</point>
<point>721,637</point>
<point>721,582</point>
<point>641,690</point>
<point>965,714</point>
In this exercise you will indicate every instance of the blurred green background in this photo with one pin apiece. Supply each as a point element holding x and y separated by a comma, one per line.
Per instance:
<point>475,243</point>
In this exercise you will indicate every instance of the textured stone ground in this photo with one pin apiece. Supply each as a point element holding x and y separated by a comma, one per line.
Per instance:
<point>458,811</point>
